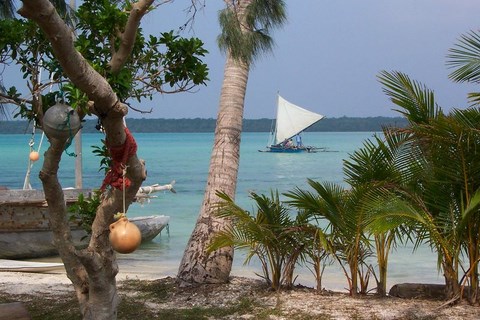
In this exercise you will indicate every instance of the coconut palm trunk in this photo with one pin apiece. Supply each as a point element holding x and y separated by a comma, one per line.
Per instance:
<point>245,34</point>
<point>197,265</point>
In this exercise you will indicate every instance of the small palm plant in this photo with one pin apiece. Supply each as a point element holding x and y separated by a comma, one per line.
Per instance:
<point>346,218</point>
<point>378,164</point>
<point>465,59</point>
<point>264,234</point>
<point>318,248</point>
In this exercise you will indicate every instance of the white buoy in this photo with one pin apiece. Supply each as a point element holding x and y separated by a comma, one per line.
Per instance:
<point>61,122</point>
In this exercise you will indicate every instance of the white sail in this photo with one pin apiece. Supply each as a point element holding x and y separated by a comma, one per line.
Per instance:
<point>292,119</point>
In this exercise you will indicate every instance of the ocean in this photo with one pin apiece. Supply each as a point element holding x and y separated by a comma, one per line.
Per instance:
<point>184,158</point>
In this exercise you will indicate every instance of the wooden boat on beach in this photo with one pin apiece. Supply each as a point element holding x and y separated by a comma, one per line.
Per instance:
<point>24,225</point>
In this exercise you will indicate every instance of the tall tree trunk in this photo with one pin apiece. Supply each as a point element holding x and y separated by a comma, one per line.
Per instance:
<point>92,270</point>
<point>198,266</point>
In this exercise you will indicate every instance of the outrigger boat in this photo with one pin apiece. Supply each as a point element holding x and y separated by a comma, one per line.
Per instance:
<point>24,226</point>
<point>291,121</point>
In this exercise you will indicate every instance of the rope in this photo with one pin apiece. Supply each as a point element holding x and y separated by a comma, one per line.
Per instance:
<point>41,141</point>
<point>120,156</point>
<point>31,144</point>
<point>124,173</point>
<point>32,138</point>
<point>62,126</point>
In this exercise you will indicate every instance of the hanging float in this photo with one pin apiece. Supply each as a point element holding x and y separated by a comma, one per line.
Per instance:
<point>34,156</point>
<point>125,236</point>
<point>61,121</point>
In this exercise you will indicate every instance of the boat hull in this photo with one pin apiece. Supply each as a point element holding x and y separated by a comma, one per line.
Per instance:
<point>279,149</point>
<point>34,244</point>
<point>25,231</point>
<point>39,243</point>
<point>150,226</point>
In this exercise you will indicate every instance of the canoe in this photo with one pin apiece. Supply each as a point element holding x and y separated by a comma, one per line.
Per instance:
<point>29,266</point>
<point>25,231</point>
<point>150,226</point>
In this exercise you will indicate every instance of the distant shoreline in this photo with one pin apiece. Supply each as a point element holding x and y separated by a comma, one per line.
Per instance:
<point>197,125</point>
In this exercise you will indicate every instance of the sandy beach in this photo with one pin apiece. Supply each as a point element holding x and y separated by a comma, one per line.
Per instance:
<point>302,300</point>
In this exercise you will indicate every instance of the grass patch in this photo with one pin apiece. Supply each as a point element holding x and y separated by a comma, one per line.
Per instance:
<point>136,298</point>
<point>157,289</point>
<point>66,307</point>
<point>47,307</point>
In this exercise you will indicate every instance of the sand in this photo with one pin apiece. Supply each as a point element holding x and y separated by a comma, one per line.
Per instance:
<point>336,305</point>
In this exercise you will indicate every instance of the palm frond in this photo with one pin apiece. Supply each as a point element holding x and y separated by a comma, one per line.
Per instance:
<point>417,102</point>
<point>474,98</point>
<point>247,38</point>
<point>4,114</point>
<point>372,163</point>
<point>465,59</point>
<point>468,118</point>
<point>471,209</point>
<point>268,14</point>
<point>227,208</point>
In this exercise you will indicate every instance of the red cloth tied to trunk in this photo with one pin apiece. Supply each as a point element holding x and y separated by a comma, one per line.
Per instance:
<point>120,156</point>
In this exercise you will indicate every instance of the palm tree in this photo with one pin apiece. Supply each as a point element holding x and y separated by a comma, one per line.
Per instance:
<point>266,234</point>
<point>443,203</point>
<point>317,248</point>
<point>465,59</point>
<point>246,27</point>
<point>376,165</point>
<point>342,209</point>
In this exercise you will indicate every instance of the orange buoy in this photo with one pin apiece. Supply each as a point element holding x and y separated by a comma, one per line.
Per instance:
<point>34,156</point>
<point>125,237</point>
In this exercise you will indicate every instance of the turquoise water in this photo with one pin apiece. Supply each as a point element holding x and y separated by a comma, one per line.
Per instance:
<point>184,157</point>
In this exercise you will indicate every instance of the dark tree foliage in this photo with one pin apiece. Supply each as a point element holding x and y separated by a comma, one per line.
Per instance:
<point>343,124</point>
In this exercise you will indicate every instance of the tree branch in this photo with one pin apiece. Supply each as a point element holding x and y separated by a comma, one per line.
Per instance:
<point>75,66</point>
<point>127,40</point>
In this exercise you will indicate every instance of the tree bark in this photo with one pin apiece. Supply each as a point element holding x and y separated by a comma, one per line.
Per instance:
<point>452,287</point>
<point>383,243</point>
<point>129,35</point>
<point>197,266</point>
<point>92,270</point>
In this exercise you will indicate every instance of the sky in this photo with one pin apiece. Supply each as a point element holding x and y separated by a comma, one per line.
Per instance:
<point>328,55</point>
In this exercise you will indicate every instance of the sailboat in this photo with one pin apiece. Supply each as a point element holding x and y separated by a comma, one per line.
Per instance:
<point>291,121</point>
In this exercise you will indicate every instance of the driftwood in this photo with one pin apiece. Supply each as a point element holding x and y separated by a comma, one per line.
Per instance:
<point>418,290</point>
